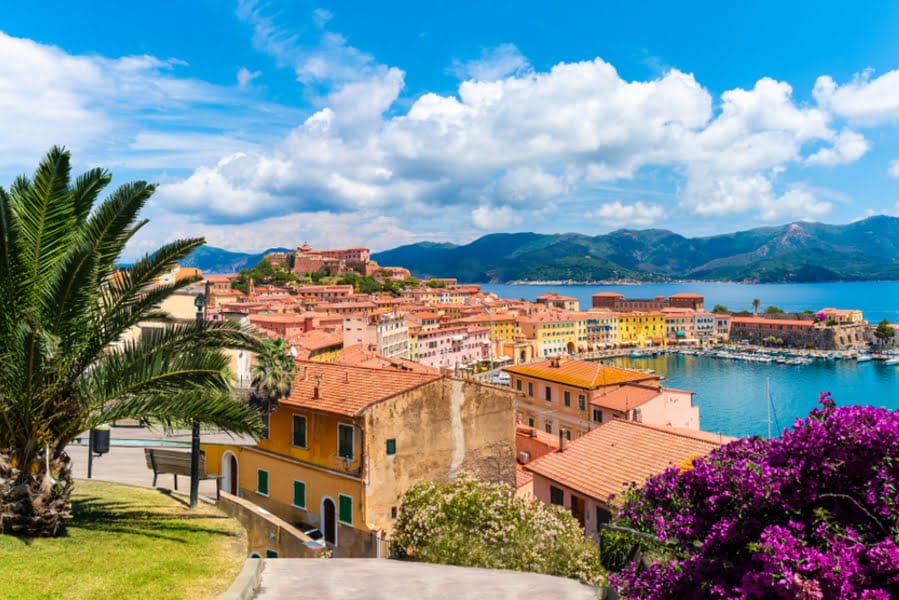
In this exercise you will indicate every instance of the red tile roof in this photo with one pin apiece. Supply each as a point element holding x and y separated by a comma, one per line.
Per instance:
<point>626,397</point>
<point>580,373</point>
<point>349,390</point>
<point>604,461</point>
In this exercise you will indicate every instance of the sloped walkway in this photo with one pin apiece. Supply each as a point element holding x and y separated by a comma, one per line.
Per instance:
<point>376,579</point>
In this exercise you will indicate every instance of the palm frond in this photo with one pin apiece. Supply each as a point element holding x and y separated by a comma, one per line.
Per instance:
<point>87,189</point>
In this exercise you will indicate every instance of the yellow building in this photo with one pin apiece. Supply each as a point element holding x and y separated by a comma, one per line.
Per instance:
<point>642,329</point>
<point>350,440</point>
<point>553,333</point>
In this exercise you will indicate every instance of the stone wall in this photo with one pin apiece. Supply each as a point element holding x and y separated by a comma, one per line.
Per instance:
<point>438,432</point>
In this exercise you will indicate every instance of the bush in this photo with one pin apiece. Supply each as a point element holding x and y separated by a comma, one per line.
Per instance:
<point>812,514</point>
<point>474,524</point>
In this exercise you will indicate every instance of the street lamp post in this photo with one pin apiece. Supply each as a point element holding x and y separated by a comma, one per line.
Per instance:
<point>200,303</point>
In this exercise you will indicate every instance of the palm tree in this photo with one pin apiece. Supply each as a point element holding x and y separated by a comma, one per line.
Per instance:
<point>755,304</point>
<point>272,375</point>
<point>65,363</point>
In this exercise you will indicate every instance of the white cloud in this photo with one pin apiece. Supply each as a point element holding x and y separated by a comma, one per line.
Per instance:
<point>865,100</point>
<point>616,214</point>
<point>893,168</point>
<point>848,147</point>
<point>245,76</point>
<point>494,64</point>
<point>489,218</point>
<point>524,185</point>
<point>133,111</point>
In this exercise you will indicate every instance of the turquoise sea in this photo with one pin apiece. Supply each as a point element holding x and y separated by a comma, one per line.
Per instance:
<point>731,395</point>
<point>878,299</point>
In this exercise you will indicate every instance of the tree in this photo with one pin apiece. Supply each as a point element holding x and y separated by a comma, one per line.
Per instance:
<point>476,524</point>
<point>812,514</point>
<point>884,332</point>
<point>272,375</point>
<point>773,310</point>
<point>720,308</point>
<point>65,365</point>
<point>755,304</point>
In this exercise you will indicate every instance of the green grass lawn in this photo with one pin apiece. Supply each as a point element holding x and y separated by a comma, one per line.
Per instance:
<point>126,542</point>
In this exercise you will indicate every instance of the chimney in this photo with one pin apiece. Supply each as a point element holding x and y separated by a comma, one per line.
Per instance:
<point>561,439</point>
<point>316,391</point>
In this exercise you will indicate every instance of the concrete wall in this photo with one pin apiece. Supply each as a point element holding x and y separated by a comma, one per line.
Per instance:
<point>441,430</point>
<point>670,408</point>
<point>265,531</point>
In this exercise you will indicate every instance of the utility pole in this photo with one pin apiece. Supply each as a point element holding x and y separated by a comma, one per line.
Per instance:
<point>200,303</point>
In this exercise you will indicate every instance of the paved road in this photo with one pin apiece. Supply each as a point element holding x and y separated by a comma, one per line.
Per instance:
<point>127,464</point>
<point>376,579</point>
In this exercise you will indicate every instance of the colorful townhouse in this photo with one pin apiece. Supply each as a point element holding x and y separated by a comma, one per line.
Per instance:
<point>570,397</point>
<point>597,330</point>
<point>642,329</point>
<point>350,440</point>
<point>553,332</point>
<point>589,470</point>
<point>451,348</point>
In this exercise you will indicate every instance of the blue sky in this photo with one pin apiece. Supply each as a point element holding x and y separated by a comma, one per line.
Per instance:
<point>380,124</point>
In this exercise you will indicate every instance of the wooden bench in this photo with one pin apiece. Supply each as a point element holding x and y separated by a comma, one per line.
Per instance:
<point>177,463</point>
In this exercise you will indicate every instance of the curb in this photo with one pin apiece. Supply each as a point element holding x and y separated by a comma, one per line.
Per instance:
<point>246,582</point>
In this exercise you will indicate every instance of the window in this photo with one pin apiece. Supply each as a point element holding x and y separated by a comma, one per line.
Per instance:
<point>548,393</point>
<point>345,513</point>
<point>531,422</point>
<point>567,398</point>
<point>518,384</point>
<point>597,415</point>
<point>556,496</point>
<point>530,389</point>
<point>391,446</point>
<point>299,494</point>
<point>581,402</point>
<point>262,482</point>
<point>271,554</point>
<point>568,434</point>
<point>345,441</point>
<point>549,428</point>
<point>393,512</point>
<point>299,431</point>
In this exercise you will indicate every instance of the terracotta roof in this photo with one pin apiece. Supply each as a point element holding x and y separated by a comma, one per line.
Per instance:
<point>603,461</point>
<point>358,355</point>
<point>580,373</point>
<point>626,397</point>
<point>522,477</point>
<point>686,295</point>
<point>349,390</point>
<point>547,439</point>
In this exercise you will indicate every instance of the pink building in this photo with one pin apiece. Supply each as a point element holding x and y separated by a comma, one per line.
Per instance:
<point>587,471</point>
<point>453,347</point>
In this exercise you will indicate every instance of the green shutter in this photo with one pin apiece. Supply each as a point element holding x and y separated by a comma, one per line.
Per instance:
<point>346,509</point>
<point>391,446</point>
<point>262,481</point>
<point>299,494</point>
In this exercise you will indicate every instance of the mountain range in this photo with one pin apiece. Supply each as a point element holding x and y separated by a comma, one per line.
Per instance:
<point>796,252</point>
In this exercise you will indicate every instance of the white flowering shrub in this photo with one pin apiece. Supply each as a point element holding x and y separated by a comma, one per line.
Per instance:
<point>473,524</point>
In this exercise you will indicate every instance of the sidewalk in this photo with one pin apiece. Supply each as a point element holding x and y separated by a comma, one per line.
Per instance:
<point>127,464</point>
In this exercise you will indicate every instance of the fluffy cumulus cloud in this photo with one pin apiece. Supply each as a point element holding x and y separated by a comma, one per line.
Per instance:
<point>509,147</point>
<point>867,100</point>
<point>616,214</point>
<point>893,168</point>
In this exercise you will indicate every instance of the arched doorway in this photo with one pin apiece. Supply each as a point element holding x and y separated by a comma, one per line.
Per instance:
<point>329,520</point>
<point>230,472</point>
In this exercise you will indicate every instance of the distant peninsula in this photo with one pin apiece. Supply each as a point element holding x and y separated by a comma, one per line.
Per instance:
<point>799,252</point>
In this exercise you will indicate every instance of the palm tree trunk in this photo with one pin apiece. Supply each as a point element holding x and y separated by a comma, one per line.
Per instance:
<point>35,501</point>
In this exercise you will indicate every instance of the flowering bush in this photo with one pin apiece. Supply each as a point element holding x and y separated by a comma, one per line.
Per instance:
<point>812,514</point>
<point>476,524</point>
